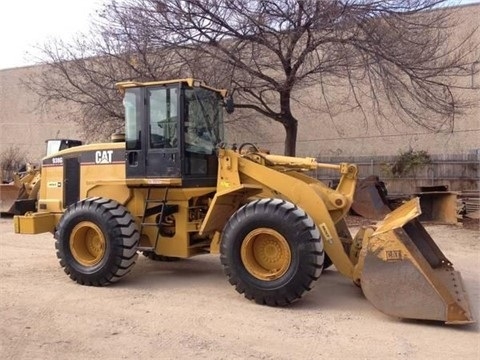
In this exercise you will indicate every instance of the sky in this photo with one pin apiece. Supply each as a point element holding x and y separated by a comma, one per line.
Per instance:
<point>27,24</point>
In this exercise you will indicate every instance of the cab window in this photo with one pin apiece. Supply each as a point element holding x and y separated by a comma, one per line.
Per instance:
<point>163,117</point>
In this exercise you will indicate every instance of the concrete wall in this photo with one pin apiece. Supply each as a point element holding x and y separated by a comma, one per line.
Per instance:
<point>348,133</point>
<point>26,125</point>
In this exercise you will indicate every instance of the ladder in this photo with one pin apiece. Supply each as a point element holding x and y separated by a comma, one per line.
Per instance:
<point>149,211</point>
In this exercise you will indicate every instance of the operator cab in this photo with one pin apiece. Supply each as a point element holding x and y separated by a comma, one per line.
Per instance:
<point>56,145</point>
<point>172,129</point>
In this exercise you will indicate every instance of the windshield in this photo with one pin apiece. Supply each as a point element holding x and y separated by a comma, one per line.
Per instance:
<point>204,120</point>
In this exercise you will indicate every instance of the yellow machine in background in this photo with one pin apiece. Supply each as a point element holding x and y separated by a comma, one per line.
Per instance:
<point>20,195</point>
<point>24,186</point>
<point>172,189</point>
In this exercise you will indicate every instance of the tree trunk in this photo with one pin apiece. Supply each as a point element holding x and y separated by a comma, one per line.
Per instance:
<point>291,137</point>
<point>289,123</point>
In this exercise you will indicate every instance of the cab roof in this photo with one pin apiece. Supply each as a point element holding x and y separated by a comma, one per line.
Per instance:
<point>191,82</point>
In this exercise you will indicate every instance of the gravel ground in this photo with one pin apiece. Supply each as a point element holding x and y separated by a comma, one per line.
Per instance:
<point>187,310</point>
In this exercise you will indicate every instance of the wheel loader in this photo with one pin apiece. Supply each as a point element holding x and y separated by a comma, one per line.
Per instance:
<point>172,189</point>
<point>19,196</point>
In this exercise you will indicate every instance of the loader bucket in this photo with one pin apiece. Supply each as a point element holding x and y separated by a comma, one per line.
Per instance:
<point>8,194</point>
<point>405,274</point>
<point>370,199</point>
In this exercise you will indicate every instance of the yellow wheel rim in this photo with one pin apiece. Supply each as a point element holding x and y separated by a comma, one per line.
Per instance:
<point>265,253</point>
<point>87,243</point>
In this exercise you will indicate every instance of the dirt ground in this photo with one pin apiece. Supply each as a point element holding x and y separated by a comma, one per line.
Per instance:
<point>187,310</point>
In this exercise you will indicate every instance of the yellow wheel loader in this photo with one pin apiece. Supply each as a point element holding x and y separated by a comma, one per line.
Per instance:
<point>25,185</point>
<point>171,189</point>
<point>20,195</point>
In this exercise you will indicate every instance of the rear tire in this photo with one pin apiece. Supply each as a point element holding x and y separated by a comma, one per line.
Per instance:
<point>96,241</point>
<point>271,251</point>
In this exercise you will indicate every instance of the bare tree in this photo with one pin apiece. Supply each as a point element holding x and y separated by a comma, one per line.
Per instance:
<point>394,51</point>
<point>84,72</point>
<point>12,160</point>
<point>397,53</point>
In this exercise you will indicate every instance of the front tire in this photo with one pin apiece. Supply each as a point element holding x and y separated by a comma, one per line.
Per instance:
<point>271,251</point>
<point>96,241</point>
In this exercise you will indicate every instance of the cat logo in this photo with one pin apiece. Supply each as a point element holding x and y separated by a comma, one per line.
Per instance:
<point>393,255</point>
<point>103,157</point>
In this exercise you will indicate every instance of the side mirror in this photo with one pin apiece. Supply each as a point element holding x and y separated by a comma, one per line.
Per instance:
<point>229,105</point>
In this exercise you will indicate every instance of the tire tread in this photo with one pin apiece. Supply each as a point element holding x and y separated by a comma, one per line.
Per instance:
<point>310,266</point>
<point>121,232</point>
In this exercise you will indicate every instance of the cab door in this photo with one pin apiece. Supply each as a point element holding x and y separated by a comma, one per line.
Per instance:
<point>163,134</point>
